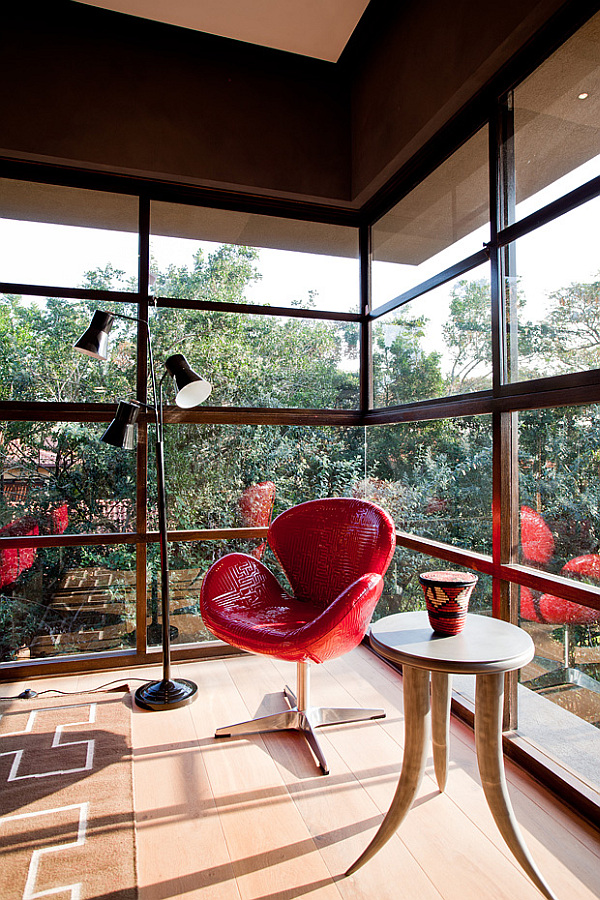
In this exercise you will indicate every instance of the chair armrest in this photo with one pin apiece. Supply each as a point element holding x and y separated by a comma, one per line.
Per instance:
<point>239,579</point>
<point>343,624</point>
<point>238,589</point>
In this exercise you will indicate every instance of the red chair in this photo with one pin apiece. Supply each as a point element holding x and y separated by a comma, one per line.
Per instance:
<point>334,553</point>
<point>553,610</point>
<point>15,560</point>
<point>59,519</point>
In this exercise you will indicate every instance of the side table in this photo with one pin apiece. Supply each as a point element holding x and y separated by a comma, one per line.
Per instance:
<point>486,648</point>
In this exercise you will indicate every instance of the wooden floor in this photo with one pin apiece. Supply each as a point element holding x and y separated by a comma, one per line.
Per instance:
<point>251,819</point>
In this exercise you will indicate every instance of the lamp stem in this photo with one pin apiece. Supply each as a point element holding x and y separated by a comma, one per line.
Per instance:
<point>164,558</point>
<point>164,694</point>
<point>155,399</point>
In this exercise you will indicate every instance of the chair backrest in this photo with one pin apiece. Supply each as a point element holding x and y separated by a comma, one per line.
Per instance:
<point>537,541</point>
<point>323,546</point>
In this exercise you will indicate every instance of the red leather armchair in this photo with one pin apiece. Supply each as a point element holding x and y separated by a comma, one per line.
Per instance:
<point>334,553</point>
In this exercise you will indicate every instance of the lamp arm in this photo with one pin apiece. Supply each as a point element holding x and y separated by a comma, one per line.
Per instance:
<point>155,404</point>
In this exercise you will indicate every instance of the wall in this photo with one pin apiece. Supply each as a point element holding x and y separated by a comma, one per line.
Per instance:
<point>102,90</point>
<point>97,89</point>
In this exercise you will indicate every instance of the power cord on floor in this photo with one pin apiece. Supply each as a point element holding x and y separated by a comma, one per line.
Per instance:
<point>29,693</point>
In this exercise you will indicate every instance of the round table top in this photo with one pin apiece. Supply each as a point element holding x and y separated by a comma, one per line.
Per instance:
<point>485,645</point>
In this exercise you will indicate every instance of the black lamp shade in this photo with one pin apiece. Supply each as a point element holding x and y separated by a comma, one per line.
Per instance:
<point>192,389</point>
<point>122,431</point>
<point>94,341</point>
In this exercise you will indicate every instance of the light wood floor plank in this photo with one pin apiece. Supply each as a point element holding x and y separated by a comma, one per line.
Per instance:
<point>181,847</point>
<point>271,848</point>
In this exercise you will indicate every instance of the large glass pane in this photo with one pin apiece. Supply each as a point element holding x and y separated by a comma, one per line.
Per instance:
<point>553,297</point>
<point>211,470</point>
<point>60,478</point>
<point>66,600</point>
<point>559,491</point>
<point>559,501</point>
<point>557,122</point>
<point>435,479</point>
<point>559,694</point>
<point>265,360</point>
<point>66,236</point>
<point>221,255</point>
<point>436,345</point>
<point>37,359</point>
<point>443,220</point>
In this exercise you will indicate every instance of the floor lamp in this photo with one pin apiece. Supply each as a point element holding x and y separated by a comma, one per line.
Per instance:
<point>192,390</point>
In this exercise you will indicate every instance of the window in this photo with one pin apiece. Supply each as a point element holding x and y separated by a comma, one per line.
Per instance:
<point>68,237</point>
<point>210,467</point>
<point>437,345</point>
<point>441,222</point>
<point>67,600</point>
<point>553,297</point>
<point>226,256</point>
<point>558,490</point>
<point>557,123</point>
<point>39,363</point>
<point>435,478</point>
<point>431,292</point>
<point>268,361</point>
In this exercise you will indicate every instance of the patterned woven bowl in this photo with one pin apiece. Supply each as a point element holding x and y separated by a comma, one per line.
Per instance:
<point>447,599</point>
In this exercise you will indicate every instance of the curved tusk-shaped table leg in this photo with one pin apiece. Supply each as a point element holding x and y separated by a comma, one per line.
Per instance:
<point>417,726</point>
<point>488,742</point>
<point>441,695</point>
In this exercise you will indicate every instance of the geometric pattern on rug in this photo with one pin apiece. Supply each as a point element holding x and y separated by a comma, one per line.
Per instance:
<point>66,799</point>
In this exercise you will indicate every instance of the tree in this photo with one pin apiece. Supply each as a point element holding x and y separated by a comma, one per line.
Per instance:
<point>573,325</point>
<point>468,336</point>
<point>402,370</point>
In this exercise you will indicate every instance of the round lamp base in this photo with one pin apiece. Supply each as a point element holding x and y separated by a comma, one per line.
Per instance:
<point>166,694</point>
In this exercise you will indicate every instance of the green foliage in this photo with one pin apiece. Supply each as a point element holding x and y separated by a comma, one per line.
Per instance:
<point>574,320</point>
<point>559,452</point>
<point>19,623</point>
<point>37,360</point>
<point>468,335</point>
<point>402,370</point>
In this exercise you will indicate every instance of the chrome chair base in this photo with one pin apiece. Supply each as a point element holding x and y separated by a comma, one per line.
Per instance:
<point>305,720</point>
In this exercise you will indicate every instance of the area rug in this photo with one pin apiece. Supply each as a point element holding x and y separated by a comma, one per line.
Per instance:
<point>66,798</point>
